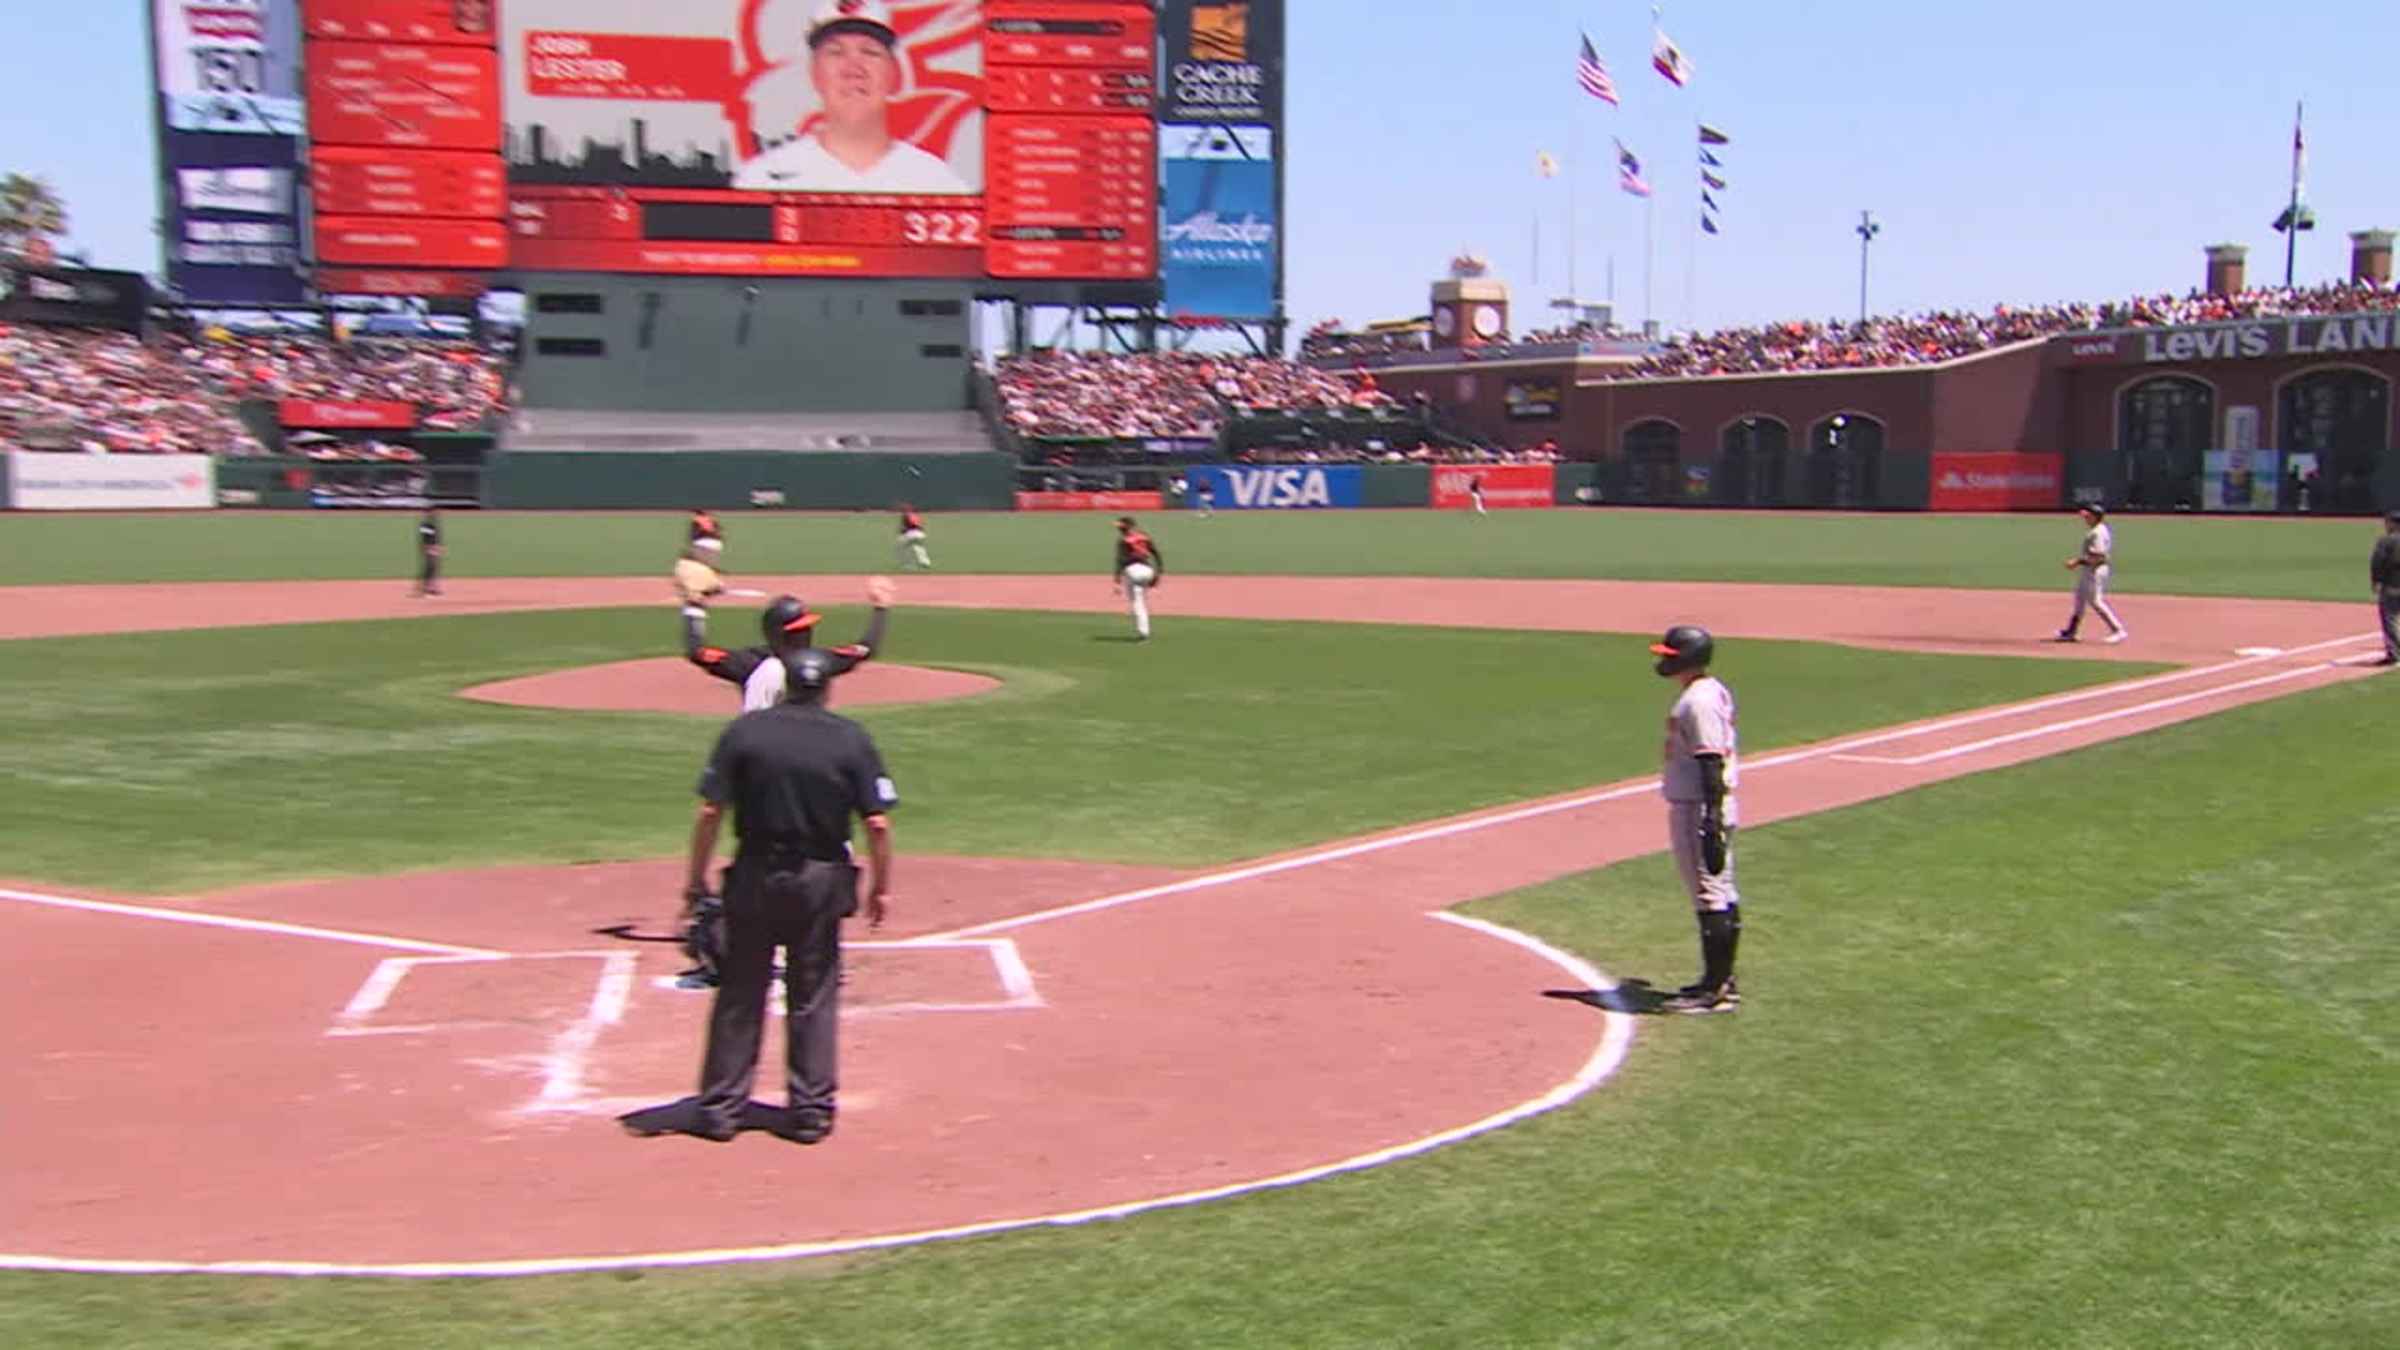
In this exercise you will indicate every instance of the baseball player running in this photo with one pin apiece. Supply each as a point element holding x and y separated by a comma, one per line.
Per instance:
<point>2090,565</point>
<point>697,581</point>
<point>1139,567</point>
<point>787,624</point>
<point>911,550</point>
<point>1701,768</point>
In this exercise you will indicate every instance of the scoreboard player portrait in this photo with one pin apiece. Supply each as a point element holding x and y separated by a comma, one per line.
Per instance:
<point>856,68</point>
<point>857,138</point>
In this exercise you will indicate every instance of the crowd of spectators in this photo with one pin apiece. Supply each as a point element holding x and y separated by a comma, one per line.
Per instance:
<point>82,389</point>
<point>109,392</point>
<point>1918,339</point>
<point>1424,452</point>
<point>2167,311</point>
<point>1179,395</point>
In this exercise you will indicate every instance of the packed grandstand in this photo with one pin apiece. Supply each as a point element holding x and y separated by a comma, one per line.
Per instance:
<point>105,391</point>
<point>72,388</point>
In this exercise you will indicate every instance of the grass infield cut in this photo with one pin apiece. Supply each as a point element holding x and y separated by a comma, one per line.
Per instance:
<point>2096,1051</point>
<point>341,749</point>
<point>2278,557</point>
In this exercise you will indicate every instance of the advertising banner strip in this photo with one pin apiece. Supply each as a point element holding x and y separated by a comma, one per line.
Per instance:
<point>84,299</point>
<point>1224,61</point>
<point>328,414</point>
<point>1217,231</point>
<point>1282,487</point>
<point>1089,501</point>
<point>2003,481</point>
<point>1509,486</point>
<point>50,482</point>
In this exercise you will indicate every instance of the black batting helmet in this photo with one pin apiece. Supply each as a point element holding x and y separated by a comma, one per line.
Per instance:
<point>785,618</point>
<point>1686,646</point>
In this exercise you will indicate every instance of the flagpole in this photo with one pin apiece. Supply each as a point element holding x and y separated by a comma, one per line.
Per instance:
<point>1649,255</point>
<point>1574,191</point>
<point>2291,215</point>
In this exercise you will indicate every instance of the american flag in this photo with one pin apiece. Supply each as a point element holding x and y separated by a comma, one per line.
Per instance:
<point>1593,76</point>
<point>1629,172</point>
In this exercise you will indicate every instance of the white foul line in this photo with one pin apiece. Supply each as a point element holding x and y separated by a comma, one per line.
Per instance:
<point>247,925</point>
<point>1615,1041</point>
<point>2074,724</point>
<point>1578,802</point>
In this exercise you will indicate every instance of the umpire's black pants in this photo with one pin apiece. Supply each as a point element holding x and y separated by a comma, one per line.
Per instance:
<point>796,906</point>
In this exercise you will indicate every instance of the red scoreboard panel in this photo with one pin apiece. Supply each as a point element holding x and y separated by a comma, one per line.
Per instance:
<point>404,95</point>
<point>363,181</point>
<point>405,171</point>
<point>459,21</point>
<point>1063,100</point>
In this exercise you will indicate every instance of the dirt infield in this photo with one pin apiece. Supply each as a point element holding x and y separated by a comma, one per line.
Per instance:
<point>437,1055</point>
<point>669,684</point>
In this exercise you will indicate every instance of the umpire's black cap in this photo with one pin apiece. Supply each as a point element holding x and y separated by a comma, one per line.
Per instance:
<point>806,673</point>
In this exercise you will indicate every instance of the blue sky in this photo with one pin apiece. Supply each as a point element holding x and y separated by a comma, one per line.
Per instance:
<point>2014,152</point>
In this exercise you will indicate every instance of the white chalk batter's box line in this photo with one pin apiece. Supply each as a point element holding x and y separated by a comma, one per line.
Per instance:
<point>1008,966</point>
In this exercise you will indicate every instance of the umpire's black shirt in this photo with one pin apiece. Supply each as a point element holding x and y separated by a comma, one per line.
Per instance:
<point>795,775</point>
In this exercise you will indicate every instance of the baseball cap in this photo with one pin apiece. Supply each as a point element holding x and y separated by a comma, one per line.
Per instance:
<point>806,672</point>
<point>833,17</point>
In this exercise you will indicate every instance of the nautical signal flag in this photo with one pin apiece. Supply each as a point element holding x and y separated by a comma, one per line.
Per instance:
<point>1592,74</point>
<point>1629,172</point>
<point>1545,164</point>
<point>1708,226</point>
<point>1711,160</point>
<point>1711,136</point>
<point>1712,180</point>
<point>1710,202</point>
<point>1668,59</point>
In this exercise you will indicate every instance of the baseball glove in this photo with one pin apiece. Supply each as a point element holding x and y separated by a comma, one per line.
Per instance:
<point>1712,843</point>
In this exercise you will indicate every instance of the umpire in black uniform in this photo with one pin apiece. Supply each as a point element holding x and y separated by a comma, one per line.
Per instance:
<point>794,774</point>
<point>429,552</point>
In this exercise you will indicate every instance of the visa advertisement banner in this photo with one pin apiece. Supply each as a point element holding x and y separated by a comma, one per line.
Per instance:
<point>1504,485</point>
<point>1282,487</point>
<point>1216,227</point>
<point>1997,482</point>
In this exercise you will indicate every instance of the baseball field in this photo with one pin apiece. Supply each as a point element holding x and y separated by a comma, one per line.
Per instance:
<point>2067,1023</point>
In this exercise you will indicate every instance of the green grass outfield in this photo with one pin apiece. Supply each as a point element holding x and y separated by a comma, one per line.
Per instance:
<point>2282,557</point>
<point>251,754</point>
<point>2097,1051</point>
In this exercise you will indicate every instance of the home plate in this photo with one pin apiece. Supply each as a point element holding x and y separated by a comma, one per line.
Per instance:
<point>2258,651</point>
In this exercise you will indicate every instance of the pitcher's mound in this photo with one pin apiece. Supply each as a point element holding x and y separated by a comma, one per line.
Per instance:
<point>672,685</point>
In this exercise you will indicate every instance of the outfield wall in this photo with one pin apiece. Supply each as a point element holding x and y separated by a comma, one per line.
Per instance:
<point>737,479</point>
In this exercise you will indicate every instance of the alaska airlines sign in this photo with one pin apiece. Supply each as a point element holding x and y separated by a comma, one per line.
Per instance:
<point>2336,336</point>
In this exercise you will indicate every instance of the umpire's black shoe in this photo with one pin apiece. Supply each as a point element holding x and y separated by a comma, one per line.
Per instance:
<point>803,1127</point>
<point>682,1116</point>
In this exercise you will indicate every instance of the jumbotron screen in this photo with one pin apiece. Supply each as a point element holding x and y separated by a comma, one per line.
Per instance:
<point>876,138</point>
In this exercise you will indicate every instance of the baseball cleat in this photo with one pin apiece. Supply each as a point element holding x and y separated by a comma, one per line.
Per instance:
<point>2062,637</point>
<point>2118,636</point>
<point>1703,1002</point>
<point>1732,991</point>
